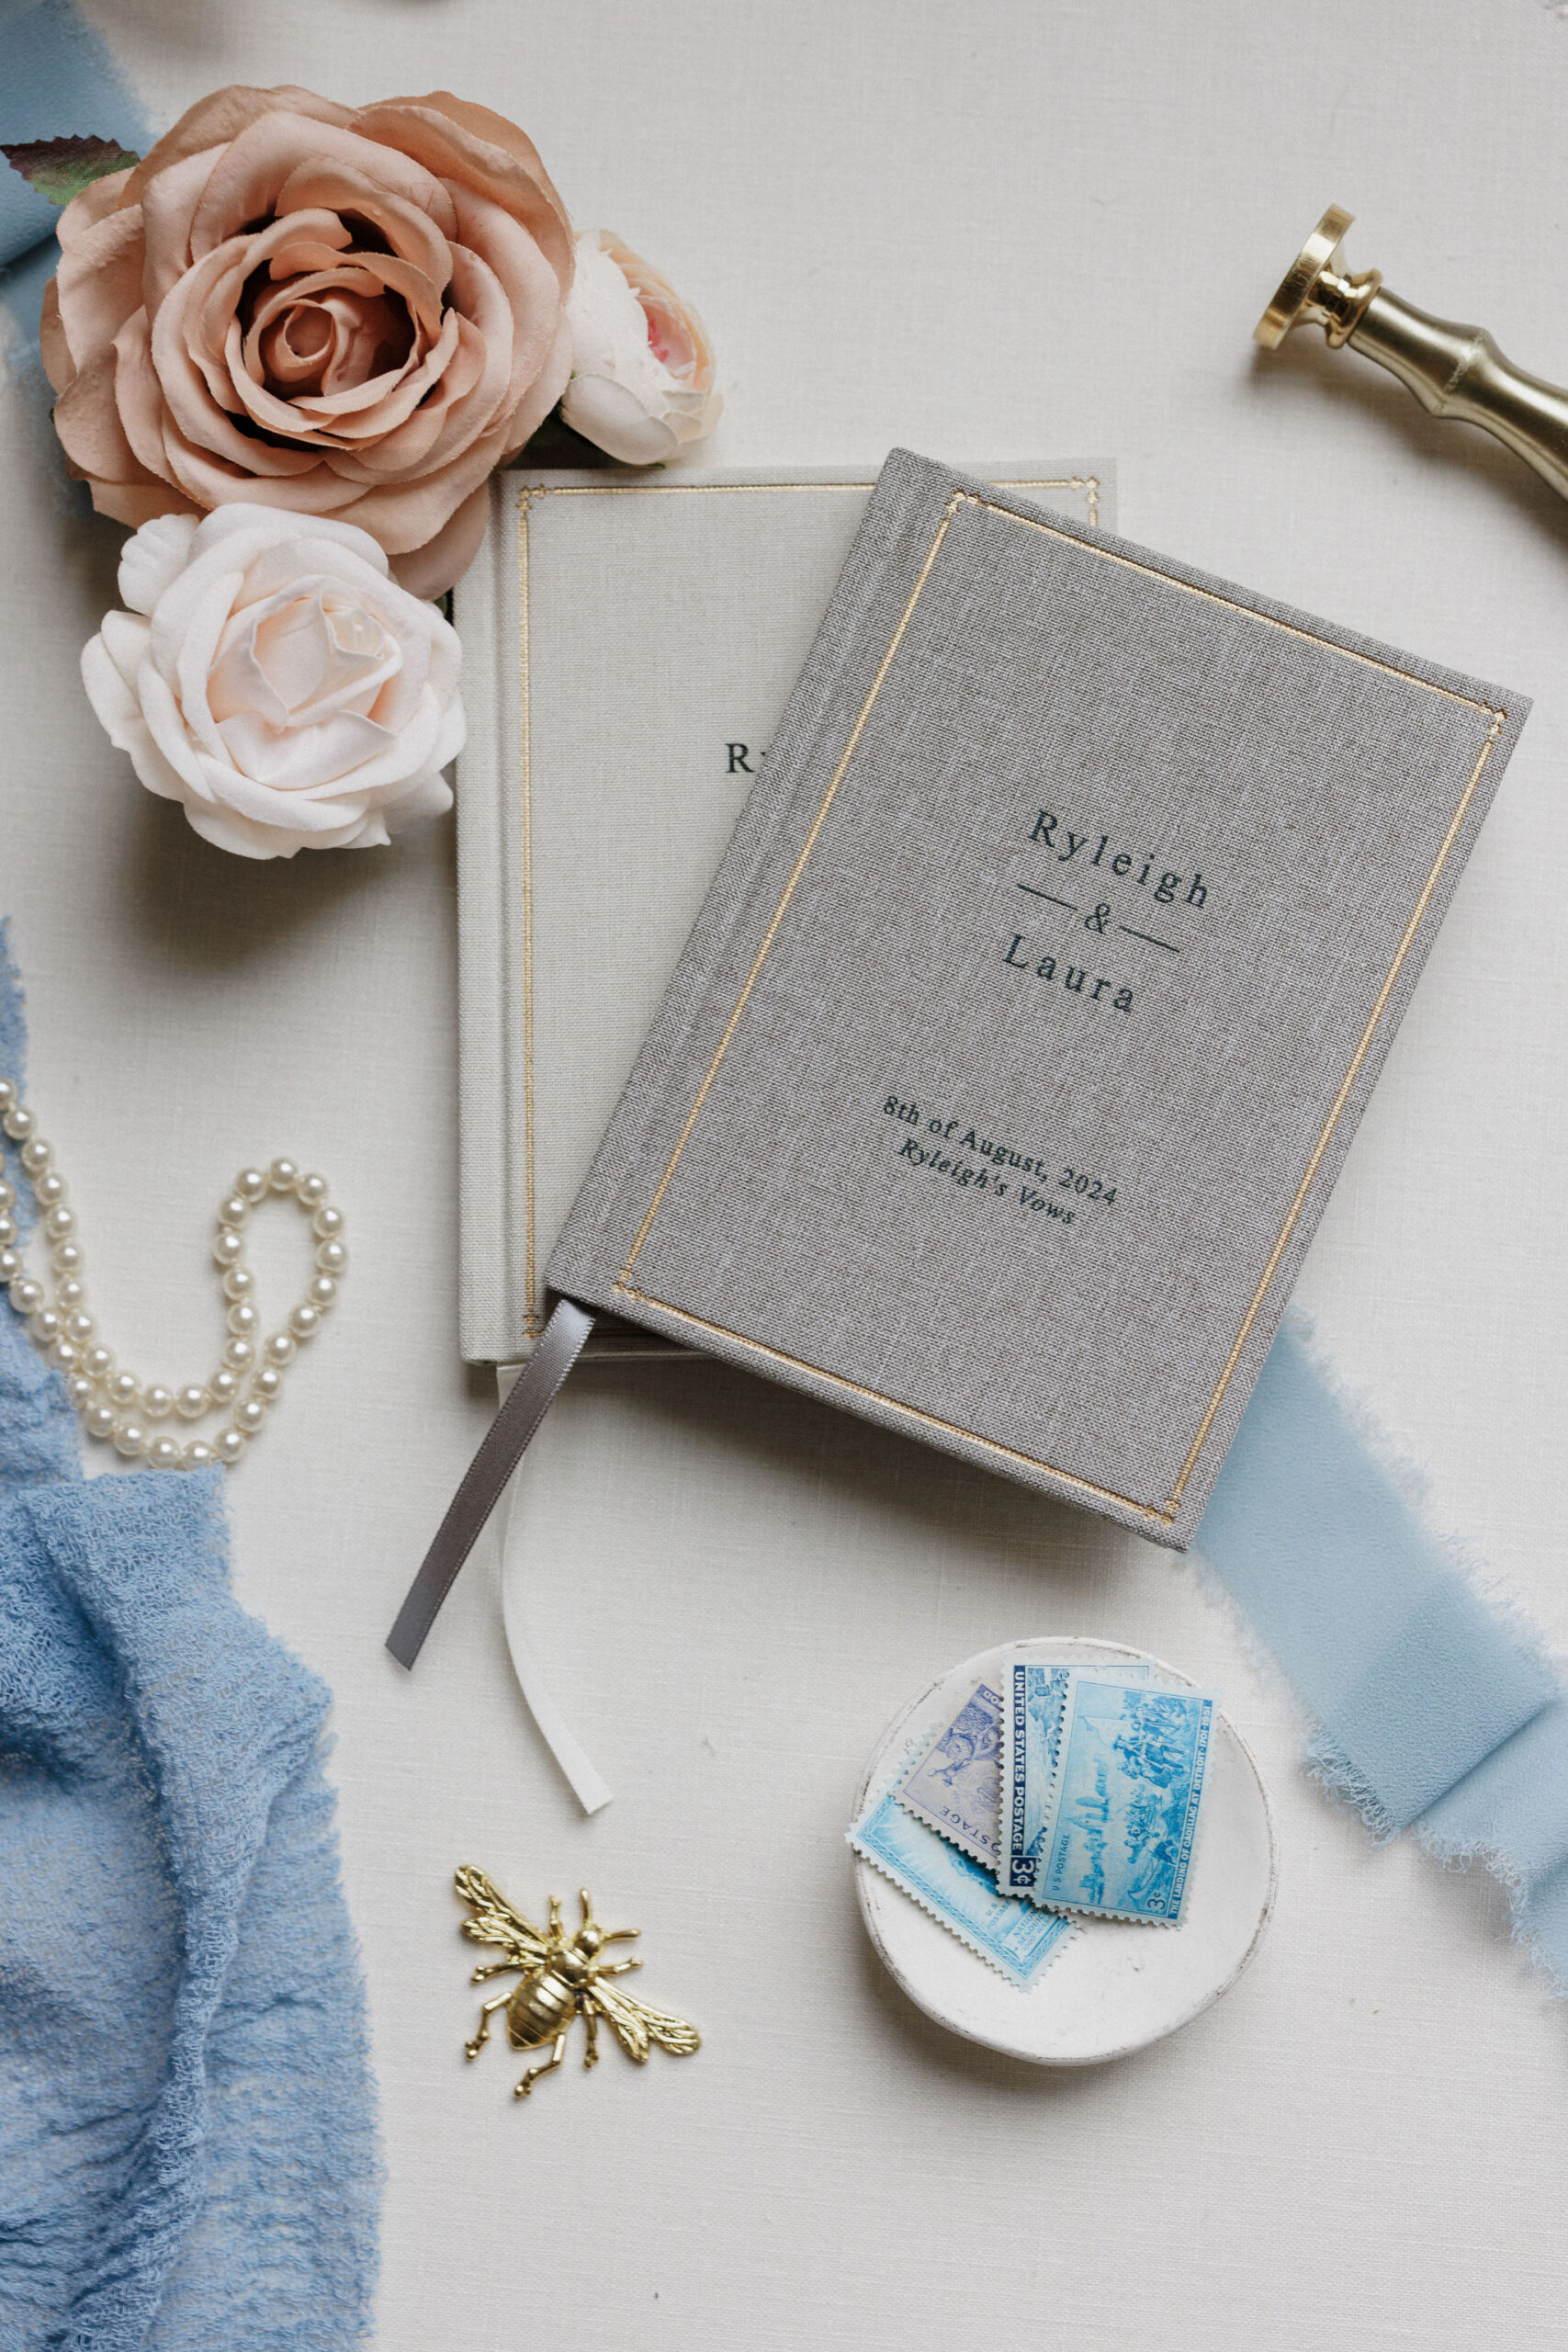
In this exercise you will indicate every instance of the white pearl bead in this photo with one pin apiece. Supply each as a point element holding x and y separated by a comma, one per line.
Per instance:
<point>10,1232</point>
<point>17,1121</point>
<point>81,1327</point>
<point>243,1318</point>
<point>49,1190</point>
<point>66,1354</point>
<point>157,1402</point>
<point>228,1248</point>
<point>131,1437</point>
<point>199,1455</point>
<point>47,1326</point>
<point>251,1183</point>
<point>164,1454</point>
<point>327,1224</point>
<point>35,1154</point>
<point>66,1258</point>
<point>80,1389</point>
<point>240,1354</point>
<point>98,1362</point>
<point>98,1419</point>
<point>71,1294</point>
<point>60,1223</point>
<point>304,1321</point>
<point>332,1257</point>
<point>229,1444</point>
<point>192,1401</point>
<point>239,1283</point>
<point>9,1092</point>
<point>283,1175</point>
<point>125,1389</point>
<point>250,1415</point>
<point>234,1210</point>
<point>224,1385</point>
<point>7,1194</point>
<point>27,1296</point>
<point>321,1293</point>
<point>266,1383</point>
<point>281,1348</point>
<point>311,1191</point>
<point>11,1269</point>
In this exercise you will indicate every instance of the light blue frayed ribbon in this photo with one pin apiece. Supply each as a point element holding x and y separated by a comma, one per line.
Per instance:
<point>187,2134</point>
<point>1434,1711</point>
<point>57,80</point>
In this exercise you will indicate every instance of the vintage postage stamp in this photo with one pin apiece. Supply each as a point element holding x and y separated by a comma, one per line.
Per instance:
<point>1036,1697</point>
<point>953,1785</point>
<point>1122,1813</point>
<point>1016,1939</point>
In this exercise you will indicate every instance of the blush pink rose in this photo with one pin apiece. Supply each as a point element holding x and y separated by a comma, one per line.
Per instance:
<point>344,312</point>
<point>269,677</point>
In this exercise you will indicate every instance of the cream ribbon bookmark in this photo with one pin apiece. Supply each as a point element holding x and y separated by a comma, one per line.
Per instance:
<point>521,1538</point>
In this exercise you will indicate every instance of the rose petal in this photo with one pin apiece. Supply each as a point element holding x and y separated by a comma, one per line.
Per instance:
<point>542,394</point>
<point>152,558</point>
<point>457,142</point>
<point>120,713</point>
<point>53,347</point>
<point>331,186</point>
<point>304,546</point>
<point>246,179</point>
<point>615,420</point>
<point>167,205</point>
<point>90,205</point>
<point>437,562</point>
<point>88,419</point>
<point>126,637</point>
<point>162,713</point>
<point>221,116</point>
<point>98,284</point>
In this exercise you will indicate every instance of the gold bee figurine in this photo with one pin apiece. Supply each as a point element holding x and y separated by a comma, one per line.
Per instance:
<point>563,1979</point>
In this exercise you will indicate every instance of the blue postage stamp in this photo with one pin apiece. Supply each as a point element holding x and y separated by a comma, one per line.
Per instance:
<point>1015,1937</point>
<point>1036,1698</point>
<point>953,1784</point>
<point>1123,1810</point>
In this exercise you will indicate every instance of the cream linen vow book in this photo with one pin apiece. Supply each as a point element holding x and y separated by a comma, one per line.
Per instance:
<point>630,644</point>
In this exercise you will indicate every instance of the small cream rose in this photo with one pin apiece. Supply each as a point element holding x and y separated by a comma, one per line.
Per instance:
<point>271,677</point>
<point>642,367</point>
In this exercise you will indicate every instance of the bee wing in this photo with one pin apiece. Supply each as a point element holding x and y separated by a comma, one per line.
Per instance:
<point>494,1921</point>
<point>634,2025</point>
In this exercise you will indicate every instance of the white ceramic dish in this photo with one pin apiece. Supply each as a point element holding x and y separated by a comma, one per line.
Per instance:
<point>1116,1988</point>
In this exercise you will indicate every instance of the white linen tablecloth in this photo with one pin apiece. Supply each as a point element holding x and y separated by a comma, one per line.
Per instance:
<point>983,227</point>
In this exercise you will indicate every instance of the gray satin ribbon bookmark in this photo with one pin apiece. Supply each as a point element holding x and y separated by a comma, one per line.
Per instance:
<point>484,1481</point>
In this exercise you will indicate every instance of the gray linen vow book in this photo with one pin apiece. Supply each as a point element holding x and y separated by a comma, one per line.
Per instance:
<point>1022,1036</point>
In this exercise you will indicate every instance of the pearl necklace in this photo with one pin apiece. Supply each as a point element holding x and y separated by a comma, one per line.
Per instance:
<point>115,1407</point>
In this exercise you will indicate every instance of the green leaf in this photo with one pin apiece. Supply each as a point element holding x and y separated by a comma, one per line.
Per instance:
<point>62,168</point>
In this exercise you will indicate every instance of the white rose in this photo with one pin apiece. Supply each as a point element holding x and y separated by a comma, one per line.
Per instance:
<point>642,367</point>
<point>272,677</point>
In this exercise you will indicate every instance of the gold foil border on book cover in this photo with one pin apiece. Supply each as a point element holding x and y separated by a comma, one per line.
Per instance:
<point>1169,1509</point>
<point>529,494</point>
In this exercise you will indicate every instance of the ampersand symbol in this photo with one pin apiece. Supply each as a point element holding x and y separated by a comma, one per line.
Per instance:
<point>1097,921</point>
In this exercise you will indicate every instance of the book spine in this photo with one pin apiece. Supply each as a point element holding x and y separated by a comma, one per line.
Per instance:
<point>494,1313</point>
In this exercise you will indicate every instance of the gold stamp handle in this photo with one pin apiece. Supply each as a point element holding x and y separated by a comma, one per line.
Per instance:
<point>1452,370</point>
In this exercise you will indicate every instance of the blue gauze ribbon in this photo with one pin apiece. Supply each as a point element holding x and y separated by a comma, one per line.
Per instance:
<point>1433,1709</point>
<point>187,2134</point>
<point>57,80</point>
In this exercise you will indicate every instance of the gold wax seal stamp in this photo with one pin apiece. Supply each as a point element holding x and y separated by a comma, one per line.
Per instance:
<point>562,1979</point>
<point>1453,371</point>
